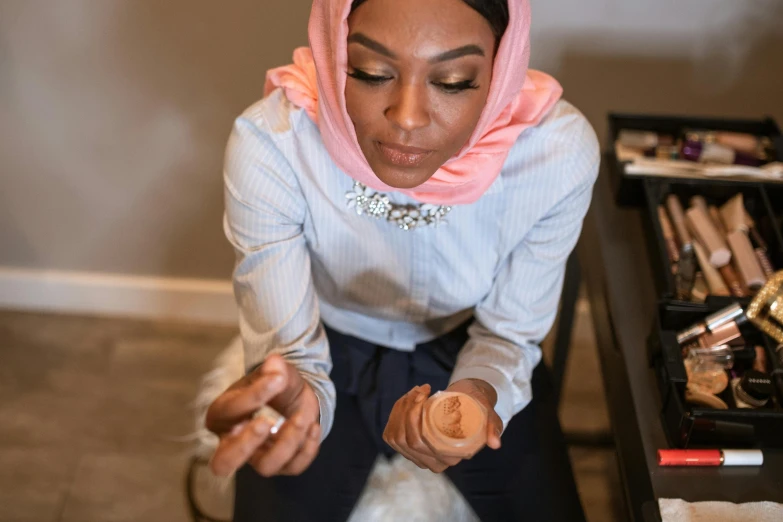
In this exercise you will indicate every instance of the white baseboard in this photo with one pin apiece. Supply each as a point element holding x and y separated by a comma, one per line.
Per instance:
<point>93,293</point>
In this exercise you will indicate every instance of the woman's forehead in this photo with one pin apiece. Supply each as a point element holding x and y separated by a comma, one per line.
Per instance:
<point>421,28</point>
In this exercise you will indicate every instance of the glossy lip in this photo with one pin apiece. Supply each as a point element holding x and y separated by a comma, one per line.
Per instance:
<point>402,156</point>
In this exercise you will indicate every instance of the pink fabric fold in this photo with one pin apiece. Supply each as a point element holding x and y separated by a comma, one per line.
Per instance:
<point>519,98</point>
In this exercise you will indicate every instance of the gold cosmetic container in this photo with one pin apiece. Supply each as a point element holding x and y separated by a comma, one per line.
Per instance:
<point>766,309</point>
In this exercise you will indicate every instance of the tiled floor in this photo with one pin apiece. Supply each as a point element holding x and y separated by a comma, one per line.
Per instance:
<point>94,415</point>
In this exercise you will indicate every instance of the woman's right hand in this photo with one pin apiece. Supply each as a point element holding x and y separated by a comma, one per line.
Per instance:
<point>246,440</point>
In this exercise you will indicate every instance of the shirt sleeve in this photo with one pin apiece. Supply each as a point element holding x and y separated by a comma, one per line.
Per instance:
<point>513,318</point>
<point>278,307</point>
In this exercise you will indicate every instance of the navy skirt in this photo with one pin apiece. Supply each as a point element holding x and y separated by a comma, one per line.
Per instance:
<point>529,478</point>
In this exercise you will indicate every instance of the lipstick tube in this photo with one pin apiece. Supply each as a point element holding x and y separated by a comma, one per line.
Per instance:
<point>710,457</point>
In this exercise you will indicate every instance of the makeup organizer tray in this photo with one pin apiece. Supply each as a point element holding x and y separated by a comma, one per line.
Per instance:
<point>629,189</point>
<point>710,397</point>
<point>716,194</point>
<point>691,425</point>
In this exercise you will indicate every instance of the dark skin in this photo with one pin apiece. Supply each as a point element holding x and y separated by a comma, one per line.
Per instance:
<point>419,96</point>
<point>418,76</point>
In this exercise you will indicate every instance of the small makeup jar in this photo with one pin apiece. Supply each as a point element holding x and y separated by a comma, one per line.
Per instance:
<point>454,424</point>
<point>272,416</point>
<point>753,390</point>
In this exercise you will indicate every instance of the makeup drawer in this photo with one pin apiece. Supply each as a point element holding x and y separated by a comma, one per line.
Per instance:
<point>756,202</point>
<point>688,425</point>
<point>629,189</point>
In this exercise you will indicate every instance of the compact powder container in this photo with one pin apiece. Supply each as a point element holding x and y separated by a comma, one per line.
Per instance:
<point>454,424</point>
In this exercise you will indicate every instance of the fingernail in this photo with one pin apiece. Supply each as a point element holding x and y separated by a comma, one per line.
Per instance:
<point>277,381</point>
<point>237,428</point>
<point>420,398</point>
<point>497,432</point>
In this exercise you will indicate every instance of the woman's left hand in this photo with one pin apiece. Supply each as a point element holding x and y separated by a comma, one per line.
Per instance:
<point>403,431</point>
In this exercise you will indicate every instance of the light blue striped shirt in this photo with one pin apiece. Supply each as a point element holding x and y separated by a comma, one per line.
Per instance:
<point>304,257</point>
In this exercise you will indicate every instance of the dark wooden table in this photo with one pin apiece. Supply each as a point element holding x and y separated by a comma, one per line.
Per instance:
<point>615,267</point>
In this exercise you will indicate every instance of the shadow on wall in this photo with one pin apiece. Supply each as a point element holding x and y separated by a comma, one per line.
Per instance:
<point>733,67</point>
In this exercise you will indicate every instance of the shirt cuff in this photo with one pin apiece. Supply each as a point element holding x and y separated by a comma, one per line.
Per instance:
<point>504,406</point>
<point>326,402</point>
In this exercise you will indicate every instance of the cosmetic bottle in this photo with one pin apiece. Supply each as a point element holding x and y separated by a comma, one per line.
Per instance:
<point>700,290</point>
<point>766,313</point>
<point>715,245</point>
<point>686,267</point>
<point>753,390</point>
<point>719,336</point>
<point>668,236</point>
<point>454,424</point>
<point>696,147</point>
<point>760,361</point>
<point>759,247</point>
<point>713,277</point>
<point>275,419</point>
<point>664,152</point>
<point>755,146</point>
<point>747,262</point>
<point>706,369</point>
<point>643,140</point>
<point>717,219</point>
<point>732,313</point>
<point>734,217</point>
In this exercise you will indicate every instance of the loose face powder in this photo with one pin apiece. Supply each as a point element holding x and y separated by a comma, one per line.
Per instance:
<point>454,424</point>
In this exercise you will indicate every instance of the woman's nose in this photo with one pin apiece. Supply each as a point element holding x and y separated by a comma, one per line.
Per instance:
<point>409,111</point>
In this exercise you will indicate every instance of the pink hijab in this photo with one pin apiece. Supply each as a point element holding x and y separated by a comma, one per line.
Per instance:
<point>518,98</point>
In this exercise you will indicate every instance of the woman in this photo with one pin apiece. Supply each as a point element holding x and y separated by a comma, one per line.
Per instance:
<point>402,204</point>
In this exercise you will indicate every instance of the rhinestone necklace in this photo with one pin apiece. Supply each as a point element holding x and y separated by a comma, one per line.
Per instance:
<point>373,204</point>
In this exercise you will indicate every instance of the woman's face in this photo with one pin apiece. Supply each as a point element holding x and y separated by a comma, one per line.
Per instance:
<point>419,75</point>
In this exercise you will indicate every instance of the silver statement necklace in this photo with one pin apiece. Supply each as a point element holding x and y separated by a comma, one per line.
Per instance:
<point>373,204</point>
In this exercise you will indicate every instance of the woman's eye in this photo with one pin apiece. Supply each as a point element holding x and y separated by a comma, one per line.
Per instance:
<point>368,78</point>
<point>453,88</point>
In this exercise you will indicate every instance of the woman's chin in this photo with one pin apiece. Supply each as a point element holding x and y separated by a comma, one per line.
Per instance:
<point>402,178</point>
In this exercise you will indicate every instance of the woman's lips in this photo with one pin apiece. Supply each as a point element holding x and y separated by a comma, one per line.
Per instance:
<point>402,156</point>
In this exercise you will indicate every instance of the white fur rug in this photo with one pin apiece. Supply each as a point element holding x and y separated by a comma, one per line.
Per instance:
<point>396,490</point>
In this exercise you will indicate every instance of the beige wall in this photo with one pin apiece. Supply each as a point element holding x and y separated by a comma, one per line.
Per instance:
<point>114,113</point>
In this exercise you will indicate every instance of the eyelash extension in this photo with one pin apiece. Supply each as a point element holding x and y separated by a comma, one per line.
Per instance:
<point>453,88</point>
<point>450,88</point>
<point>368,78</point>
